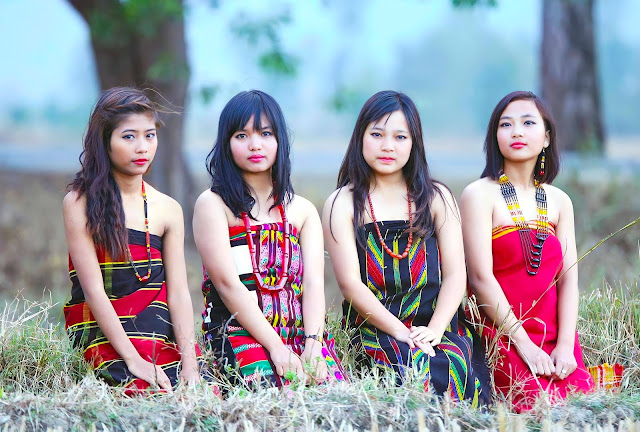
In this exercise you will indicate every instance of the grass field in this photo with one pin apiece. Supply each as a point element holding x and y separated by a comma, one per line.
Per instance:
<point>44,384</point>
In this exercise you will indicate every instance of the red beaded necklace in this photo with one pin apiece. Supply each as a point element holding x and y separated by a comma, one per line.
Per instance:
<point>375,223</point>
<point>254,261</point>
<point>146,228</point>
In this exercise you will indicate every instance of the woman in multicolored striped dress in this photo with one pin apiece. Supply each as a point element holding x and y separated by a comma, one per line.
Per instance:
<point>263,315</point>
<point>130,310</point>
<point>395,242</point>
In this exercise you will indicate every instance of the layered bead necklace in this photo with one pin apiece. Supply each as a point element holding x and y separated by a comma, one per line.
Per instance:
<point>254,260</point>
<point>146,229</point>
<point>532,251</point>
<point>384,245</point>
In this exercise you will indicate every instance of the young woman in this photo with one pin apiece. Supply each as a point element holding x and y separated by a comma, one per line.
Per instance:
<point>130,310</point>
<point>521,253</point>
<point>395,242</point>
<point>252,233</point>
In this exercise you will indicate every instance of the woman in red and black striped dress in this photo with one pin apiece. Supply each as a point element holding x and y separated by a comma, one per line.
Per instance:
<point>130,311</point>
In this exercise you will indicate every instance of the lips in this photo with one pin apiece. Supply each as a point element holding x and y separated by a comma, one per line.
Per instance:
<point>386,159</point>
<point>140,161</point>
<point>256,158</point>
<point>517,145</point>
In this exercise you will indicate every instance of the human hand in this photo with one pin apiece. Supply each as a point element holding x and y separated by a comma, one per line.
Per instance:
<point>312,355</point>
<point>190,375</point>
<point>405,336</point>
<point>149,372</point>
<point>426,334</point>
<point>564,361</point>
<point>538,361</point>
<point>286,360</point>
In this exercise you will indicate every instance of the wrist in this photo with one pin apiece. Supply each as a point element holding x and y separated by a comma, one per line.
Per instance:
<point>312,338</point>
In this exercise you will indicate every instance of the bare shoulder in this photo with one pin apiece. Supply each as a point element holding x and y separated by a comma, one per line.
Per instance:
<point>559,197</point>
<point>481,186</point>
<point>165,206</point>
<point>209,200</point>
<point>340,200</point>
<point>74,204</point>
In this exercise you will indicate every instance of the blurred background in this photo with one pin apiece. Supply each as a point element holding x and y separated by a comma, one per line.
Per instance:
<point>320,59</point>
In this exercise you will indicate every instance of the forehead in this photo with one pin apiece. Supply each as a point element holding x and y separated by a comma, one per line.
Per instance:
<point>521,108</point>
<point>393,121</point>
<point>250,124</point>
<point>137,121</point>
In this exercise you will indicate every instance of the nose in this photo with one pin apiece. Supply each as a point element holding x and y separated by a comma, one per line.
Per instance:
<point>255,142</point>
<point>387,144</point>
<point>142,145</point>
<point>517,130</point>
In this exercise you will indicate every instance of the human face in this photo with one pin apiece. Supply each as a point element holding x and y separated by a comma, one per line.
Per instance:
<point>254,151</point>
<point>521,131</point>
<point>386,144</point>
<point>133,144</point>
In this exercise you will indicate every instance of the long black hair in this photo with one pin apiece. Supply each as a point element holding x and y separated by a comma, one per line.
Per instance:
<point>226,179</point>
<point>356,173</point>
<point>105,215</point>
<point>495,159</point>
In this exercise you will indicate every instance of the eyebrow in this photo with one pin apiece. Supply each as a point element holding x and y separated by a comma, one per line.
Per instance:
<point>382,129</point>
<point>522,116</point>
<point>134,130</point>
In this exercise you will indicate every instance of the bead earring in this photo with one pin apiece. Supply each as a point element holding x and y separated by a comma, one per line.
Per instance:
<point>542,164</point>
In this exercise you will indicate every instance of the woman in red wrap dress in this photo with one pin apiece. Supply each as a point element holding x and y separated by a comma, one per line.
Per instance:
<point>521,253</point>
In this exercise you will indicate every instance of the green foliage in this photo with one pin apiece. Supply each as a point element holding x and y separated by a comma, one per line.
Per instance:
<point>167,68</point>
<point>114,25</point>
<point>144,16</point>
<point>274,60</point>
<point>208,93</point>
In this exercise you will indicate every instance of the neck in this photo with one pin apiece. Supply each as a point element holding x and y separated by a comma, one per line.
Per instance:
<point>128,185</point>
<point>520,174</point>
<point>260,184</point>
<point>388,182</point>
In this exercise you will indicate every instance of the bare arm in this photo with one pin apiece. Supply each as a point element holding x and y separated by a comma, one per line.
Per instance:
<point>313,301</point>
<point>476,209</point>
<point>341,245</point>
<point>178,297</point>
<point>85,261</point>
<point>568,292</point>
<point>211,232</point>
<point>454,274</point>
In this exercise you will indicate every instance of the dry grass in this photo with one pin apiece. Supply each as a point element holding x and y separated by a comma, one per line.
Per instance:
<point>48,387</point>
<point>45,385</point>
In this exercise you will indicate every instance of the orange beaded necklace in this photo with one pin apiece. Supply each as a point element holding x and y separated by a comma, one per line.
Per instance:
<point>375,223</point>
<point>146,228</point>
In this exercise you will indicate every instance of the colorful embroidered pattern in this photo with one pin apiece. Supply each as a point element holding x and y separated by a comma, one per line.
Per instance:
<point>409,288</point>
<point>282,308</point>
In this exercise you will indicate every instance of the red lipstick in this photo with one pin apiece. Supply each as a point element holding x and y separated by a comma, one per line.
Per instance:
<point>517,145</point>
<point>256,158</point>
<point>140,161</point>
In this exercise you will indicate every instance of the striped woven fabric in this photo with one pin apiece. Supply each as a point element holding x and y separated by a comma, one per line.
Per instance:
<point>143,312</point>
<point>236,349</point>
<point>409,288</point>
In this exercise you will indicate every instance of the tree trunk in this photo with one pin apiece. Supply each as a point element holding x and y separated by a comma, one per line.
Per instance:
<point>150,54</point>
<point>569,76</point>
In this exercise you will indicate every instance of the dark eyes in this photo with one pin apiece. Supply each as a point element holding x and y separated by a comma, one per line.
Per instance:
<point>151,135</point>
<point>266,133</point>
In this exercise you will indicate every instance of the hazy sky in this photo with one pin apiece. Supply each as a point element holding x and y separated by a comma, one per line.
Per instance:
<point>46,49</point>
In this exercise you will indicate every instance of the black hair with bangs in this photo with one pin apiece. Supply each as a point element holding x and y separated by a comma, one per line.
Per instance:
<point>226,178</point>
